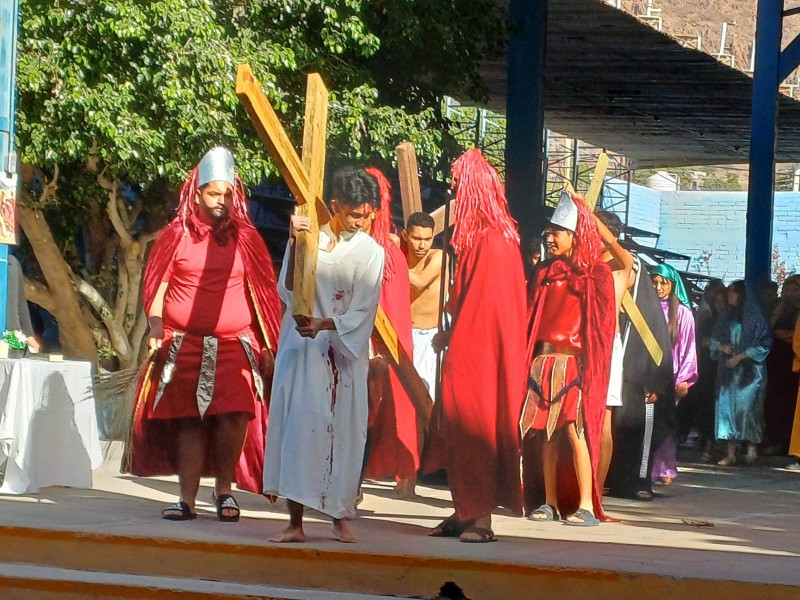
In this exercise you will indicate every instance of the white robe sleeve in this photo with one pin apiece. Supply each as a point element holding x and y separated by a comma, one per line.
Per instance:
<point>283,292</point>
<point>354,328</point>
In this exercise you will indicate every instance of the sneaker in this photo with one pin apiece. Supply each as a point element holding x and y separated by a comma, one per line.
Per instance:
<point>793,467</point>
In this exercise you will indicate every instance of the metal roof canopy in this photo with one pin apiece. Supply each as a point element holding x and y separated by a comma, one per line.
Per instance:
<point>620,84</point>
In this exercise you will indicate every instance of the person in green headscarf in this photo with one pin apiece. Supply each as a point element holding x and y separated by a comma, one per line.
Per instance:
<point>680,323</point>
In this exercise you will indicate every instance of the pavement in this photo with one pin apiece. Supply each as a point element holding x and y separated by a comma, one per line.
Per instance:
<point>738,526</point>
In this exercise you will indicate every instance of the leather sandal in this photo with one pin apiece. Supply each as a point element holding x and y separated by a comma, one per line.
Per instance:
<point>480,535</point>
<point>450,527</point>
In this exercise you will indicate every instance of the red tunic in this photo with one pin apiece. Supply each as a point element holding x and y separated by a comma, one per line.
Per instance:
<point>596,325</point>
<point>206,297</point>
<point>152,451</point>
<point>394,451</point>
<point>561,330</point>
<point>474,430</point>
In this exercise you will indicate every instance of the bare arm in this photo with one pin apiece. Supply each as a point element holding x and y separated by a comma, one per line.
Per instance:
<point>155,317</point>
<point>623,256</point>
<point>430,272</point>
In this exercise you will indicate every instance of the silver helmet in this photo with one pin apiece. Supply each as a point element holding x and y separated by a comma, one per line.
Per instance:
<point>216,165</point>
<point>566,213</point>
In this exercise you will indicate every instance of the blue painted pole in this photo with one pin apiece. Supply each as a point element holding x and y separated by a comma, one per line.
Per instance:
<point>9,16</point>
<point>761,190</point>
<point>525,111</point>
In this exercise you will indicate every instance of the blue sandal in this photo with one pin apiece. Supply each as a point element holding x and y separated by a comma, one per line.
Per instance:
<point>548,510</point>
<point>587,519</point>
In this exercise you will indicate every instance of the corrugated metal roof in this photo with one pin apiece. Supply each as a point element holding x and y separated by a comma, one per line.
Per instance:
<point>618,83</point>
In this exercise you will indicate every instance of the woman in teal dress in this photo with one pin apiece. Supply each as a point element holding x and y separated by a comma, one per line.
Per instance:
<point>740,343</point>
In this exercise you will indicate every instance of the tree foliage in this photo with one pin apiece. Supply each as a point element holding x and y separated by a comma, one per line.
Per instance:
<point>135,92</point>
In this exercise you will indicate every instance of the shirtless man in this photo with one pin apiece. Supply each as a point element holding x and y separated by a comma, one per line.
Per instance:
<point>425,276</point>
<point>621,263</point>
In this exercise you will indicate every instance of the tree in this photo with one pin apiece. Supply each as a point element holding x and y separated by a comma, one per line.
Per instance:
<point>119,99</point>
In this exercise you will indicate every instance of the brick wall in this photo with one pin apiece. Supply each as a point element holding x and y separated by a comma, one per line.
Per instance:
<point>710,227</point>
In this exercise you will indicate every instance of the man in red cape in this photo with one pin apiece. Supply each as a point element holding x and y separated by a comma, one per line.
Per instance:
<point>214,313</point>
<point>474,431</point>
<point>392,440</point>
<point>572,325</point>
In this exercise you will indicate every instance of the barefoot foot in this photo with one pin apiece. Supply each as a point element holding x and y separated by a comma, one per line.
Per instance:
<point>290,534</point>
<point>342,533</point>
<point>406,488</point>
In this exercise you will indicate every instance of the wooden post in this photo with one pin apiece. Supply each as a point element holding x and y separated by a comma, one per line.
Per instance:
<point>306,186</point>
<point>315,128</point>
<point>305,180</point>
<point>409,179</point>
<point>598,177</point>
<point>439,217</point>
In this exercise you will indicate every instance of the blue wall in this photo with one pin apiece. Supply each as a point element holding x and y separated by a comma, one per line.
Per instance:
<point>709,226</point>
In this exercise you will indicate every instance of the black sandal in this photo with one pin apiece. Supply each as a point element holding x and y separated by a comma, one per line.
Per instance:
<point>483,535</point>
<point>179,511</point>
<point>450,527</point>
<point>226,502</point>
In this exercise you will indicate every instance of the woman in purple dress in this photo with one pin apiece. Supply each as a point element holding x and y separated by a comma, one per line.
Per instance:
<point>680,322</point>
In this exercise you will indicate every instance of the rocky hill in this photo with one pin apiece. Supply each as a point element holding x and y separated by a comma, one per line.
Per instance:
<point>706,17</point>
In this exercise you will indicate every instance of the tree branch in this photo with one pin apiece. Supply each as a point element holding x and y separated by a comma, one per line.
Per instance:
<point>49,188</point>
<point>38,293</point>
<point>112,208</point>
<point>117,335</point>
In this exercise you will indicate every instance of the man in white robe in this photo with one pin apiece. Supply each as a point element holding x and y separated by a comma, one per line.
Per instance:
<point>318,410</point>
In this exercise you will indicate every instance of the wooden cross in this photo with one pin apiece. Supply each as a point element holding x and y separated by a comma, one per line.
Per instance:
<point>305,179</point>
<point>628,304</point>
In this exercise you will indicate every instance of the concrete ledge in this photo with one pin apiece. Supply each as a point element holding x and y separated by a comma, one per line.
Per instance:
<point>22,581</point>
<point>313,568</point>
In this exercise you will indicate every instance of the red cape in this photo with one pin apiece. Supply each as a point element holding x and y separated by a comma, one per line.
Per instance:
<point>596,290</point>
<point>394,448</point>
<point>147,454</point>
<point>474,432</point>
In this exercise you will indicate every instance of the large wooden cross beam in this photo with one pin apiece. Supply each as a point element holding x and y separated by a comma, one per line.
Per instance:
<point>305,179</point>
<point>628,304</point>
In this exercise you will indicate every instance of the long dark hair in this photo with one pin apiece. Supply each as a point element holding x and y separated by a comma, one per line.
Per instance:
<point>737,312</point>
<point>672,317</point>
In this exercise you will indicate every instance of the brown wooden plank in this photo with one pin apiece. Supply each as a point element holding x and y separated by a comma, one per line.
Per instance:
<point>271,132</point>
<point>394,352</point>
<point>315,127</point>
<point>438,217</point>
<point>409,179</point>
<point>593,194</point>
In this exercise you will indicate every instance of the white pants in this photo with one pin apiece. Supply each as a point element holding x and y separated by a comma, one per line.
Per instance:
<point>425,358</point>
<point>614,397</point>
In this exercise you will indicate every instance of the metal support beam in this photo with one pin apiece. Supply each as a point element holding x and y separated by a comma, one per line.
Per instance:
<point>761,191</point>
<point>790,58</point>
<point>525,112</point>
<point>771,67</point>
<point>9,14</point>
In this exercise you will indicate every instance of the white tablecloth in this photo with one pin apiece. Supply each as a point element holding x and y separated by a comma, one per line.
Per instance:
<point>48,425</point>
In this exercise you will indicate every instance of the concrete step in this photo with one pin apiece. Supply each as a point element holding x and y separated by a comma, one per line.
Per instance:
<point>19,581</point>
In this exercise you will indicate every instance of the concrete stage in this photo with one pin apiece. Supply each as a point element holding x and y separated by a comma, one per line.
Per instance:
<point>716,533</point>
